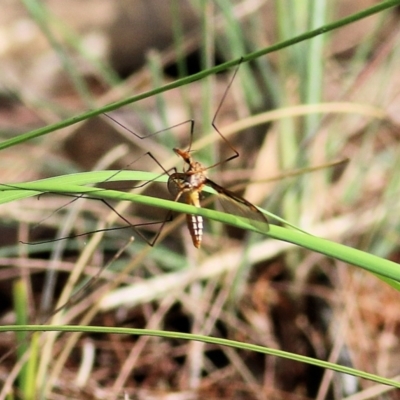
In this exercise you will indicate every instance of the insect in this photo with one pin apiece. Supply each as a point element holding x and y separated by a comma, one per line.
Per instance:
<point>189,184</point>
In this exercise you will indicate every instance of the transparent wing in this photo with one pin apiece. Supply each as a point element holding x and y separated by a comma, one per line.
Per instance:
<point>237,205</point>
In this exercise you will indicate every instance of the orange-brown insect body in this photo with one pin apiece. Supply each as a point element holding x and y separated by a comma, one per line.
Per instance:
<point>189,184</point>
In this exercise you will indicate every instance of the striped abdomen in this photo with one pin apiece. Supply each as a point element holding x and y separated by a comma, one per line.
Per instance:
<point>195,226</point>
<point>195,222</point>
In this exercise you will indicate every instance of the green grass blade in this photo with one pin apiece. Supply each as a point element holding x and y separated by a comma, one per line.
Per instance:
<point>27,375</point>
<point>369,262</point>
<point>205,339</point>
<point>222,67</point>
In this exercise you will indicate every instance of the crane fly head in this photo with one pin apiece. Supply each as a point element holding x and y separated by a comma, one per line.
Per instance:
<point>185,155</point>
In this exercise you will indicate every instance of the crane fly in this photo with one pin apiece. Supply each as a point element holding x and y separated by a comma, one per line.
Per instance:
<point>189,185</point>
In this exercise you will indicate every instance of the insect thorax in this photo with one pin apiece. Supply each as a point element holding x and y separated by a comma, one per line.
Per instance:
<point>196,176</point>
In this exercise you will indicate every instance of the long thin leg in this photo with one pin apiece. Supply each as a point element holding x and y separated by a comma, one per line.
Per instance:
<point>191,135</point>
<point>77,197</point>
<point>236,153</point>
<point>150,134</point>
<point>129,225</point>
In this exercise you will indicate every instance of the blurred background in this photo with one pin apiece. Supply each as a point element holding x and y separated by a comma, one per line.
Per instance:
<point>331,98</point>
